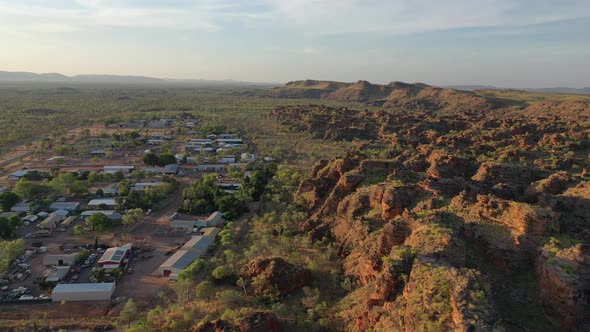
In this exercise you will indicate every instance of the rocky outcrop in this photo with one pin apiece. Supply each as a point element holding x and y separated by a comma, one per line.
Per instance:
<point>278,273</point>
<point>564,281</point>
<point>441,298</point>
<point>213,326</point>
<point>260,321</point>
<point>447,166</point>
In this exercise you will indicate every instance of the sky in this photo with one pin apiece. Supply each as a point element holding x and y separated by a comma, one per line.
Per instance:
<point>506,43</point>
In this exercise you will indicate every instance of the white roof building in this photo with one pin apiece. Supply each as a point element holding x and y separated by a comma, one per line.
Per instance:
<point>69,206</point>
<point>83,292</point>
<point>102,201</point>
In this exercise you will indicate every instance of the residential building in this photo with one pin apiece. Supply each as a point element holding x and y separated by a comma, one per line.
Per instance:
<point>109,202</point>
<point>68,206</point>
<point>114,169</point>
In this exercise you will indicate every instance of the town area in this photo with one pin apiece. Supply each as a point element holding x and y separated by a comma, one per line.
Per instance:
<point>112,212</point>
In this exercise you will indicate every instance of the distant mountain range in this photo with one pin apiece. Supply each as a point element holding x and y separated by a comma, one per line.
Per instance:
<point>582,91</point>
<point>21,76</point>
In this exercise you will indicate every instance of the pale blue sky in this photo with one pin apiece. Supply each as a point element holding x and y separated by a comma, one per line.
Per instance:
<point>510,43</point>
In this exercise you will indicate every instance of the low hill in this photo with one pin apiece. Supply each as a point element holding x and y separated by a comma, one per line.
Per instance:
<point>395,95</point>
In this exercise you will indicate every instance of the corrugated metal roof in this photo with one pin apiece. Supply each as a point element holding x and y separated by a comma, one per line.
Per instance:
<point>181,259</point>
<point>86,287</point>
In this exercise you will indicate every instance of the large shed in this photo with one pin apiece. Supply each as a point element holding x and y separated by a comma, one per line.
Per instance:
<point>83,292</point>
<point>178,262</point>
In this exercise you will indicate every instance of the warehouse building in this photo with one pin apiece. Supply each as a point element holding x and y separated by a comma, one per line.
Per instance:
<point>83,292</point>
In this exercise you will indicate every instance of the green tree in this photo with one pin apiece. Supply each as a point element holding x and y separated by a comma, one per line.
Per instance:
<point>8,199</point>
<point>205,290</point>
<point>132,216</point>
<point>151,159</point>
<point>99,222</point>
<point>129,313</point>
<point>78,229</point>
<point>7,230</point>
<point>222,273</point>
<point>10,251</point>
<point>166,159</point>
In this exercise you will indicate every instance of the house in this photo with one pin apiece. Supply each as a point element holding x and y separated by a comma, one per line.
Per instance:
<point>155,142</point>
<point>183,222</point>
<point>9,214</point>
<point>235,141</point>
<point>215,219</point>
<point>142,186</point>
<point>97,153</point>
<point>30,218</point>
<point>210,167</point>
<point>178,262</point>
<point>23,206</point>
<point>18,174</point>
<point>109,213</point>
<point>171,169</point>
<point>110,189</point>
<point>68,206</point>
<point>227,136</point>
<point>51,222</point>
<point>56,159</point>
<point>60,260</point>
<point>247,157</point>
<point>109,202</point>
<point>62,212</point>
<point>227,159</point>
<point>115,257</point>
<point>68,221</point>
<point>83,292</point>
<point>115,169</point>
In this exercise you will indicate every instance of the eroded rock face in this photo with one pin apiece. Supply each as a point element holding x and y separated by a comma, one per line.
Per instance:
<point>440,298</point>
<point>278,273</point>
<point>260,321</point>
<point>213,326</point>
<point>564,281</point>
<point>447,166</point>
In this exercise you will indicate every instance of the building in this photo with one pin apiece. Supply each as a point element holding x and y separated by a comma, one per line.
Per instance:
<point>108,202</point>
<point>210,231</point>
<point>247,157</point>
<point>51,221</point>
<point>199,244</point>
<point>83,292</point>
<point>235,141</point>
<point>227,159</point>
<point>192,250</point>
<point>115,169</point>
<point>68,222</point>
<point>210,167</point>
<point>18,174</point>
<point>171,169</point>
<point>177,262</point>
<point>60,259</point>
<point>97,153</point>
<point>110,189</point>
<point>23,206</point>
<point>109,213</point>
<point>115,257</point>
<point>215,219</point>
<point>226,136</point>
<point>56,159</point>
<point>30,218</point>
<point>68,206</point>
<point>182,223</point>
<point>142,186</point>
<point>57,274</point>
